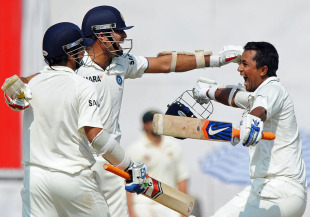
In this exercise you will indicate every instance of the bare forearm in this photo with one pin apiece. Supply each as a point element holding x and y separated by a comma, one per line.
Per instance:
<point>130,205</point>
<point>260,112</point>
<point>162,64</point>
<point>27,79</point>
<point>182,186</point>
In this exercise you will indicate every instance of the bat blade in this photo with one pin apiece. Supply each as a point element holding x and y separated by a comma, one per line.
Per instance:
<point>161,193</point>
<point>194,128</point>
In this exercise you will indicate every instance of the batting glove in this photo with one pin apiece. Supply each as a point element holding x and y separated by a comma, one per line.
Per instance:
<point>17,104</point>
<point>27,94</point>
<point>200,90</point>
<point>251,130</point>
<point>139,180</point>
<point>230,54</point>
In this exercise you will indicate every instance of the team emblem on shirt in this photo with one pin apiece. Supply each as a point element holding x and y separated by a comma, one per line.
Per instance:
<point>119,80</point>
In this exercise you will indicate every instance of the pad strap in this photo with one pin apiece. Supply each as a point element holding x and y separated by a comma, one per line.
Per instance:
<point>200,59</point>
<point>174,57</point>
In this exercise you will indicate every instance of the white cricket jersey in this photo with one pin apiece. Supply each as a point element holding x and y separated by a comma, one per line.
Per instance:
<point>281,157</point>
<point>110,85</point>
<point>63,103</point>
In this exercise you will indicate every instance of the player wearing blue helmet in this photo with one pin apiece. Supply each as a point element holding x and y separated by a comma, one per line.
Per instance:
<point>113,64</point>
<point>58,180</point>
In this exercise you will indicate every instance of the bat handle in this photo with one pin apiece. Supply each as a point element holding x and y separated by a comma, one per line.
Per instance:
<point>116,171</point>
<point>265,136</point>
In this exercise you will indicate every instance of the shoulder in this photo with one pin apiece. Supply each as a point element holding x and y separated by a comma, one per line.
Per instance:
<point>271,87</point>
<point>139,142</point>
<point>137,146</point>
<point>171,143</point>
<point>82,83</point>
<point>129,59</point>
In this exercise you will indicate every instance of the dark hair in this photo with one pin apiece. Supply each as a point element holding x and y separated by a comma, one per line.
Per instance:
<point>266,55</point>
<point>62,60</point>
<point>148,116</point>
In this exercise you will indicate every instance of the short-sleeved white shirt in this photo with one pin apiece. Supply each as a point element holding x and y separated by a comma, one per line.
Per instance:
<point>164,162</point>
<point>63,103</point>
<point>281,157</point>
<point>110,85</point>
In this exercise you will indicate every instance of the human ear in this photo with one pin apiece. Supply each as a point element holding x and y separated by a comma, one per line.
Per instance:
<point>263,70</point>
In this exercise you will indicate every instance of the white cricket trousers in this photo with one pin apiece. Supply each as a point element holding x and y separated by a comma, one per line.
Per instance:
<point>56,194</point>
<point>248,204</point>
<point>113,189</point>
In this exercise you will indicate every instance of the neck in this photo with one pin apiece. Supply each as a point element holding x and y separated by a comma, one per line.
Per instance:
<point>70,64</point>
<point>101,56</point>
<point>155,139</point>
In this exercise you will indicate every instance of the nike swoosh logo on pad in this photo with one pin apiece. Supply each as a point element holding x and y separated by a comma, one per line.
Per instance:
<point>212,132</point>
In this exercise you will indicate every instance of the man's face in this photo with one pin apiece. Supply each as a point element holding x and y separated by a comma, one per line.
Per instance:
<point>113,40</point>
<point>253,77</point>
<point>119,36</point>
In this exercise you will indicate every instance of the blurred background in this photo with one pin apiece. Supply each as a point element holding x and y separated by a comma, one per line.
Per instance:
<point>217,170</point>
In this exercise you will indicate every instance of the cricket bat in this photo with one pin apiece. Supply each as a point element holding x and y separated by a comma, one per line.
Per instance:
<point>194,128</point>
<point>161,193</point>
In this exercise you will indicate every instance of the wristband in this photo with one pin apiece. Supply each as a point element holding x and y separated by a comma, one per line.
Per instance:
<point>211,92</point>
<point>214,61</point>
<point>200,59</point>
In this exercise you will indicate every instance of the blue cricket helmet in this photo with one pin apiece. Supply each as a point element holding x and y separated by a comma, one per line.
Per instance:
<point>103,17</point>
<point>62,35</point>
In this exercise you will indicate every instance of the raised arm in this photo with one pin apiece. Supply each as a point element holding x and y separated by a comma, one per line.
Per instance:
<point>172,61</point>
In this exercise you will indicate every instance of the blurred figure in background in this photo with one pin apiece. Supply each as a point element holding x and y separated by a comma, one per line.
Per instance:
<point>164,160</point>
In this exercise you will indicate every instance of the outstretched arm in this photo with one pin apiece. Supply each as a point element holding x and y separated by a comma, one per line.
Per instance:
<point>230,95</point>
<point>172,61</point>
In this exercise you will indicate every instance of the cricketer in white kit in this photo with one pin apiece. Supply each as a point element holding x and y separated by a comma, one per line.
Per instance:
<point>58,180</point>
<point>110,86</point>
<point>112,65</point>
<point>60,167</point>
<point>277,169</point>
<point>64,122</point>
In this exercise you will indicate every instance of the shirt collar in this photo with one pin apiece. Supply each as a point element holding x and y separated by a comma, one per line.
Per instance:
<point>90,63</point>
<point>57,68</point>
<point>148,142</point>
<point>267,81</point>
